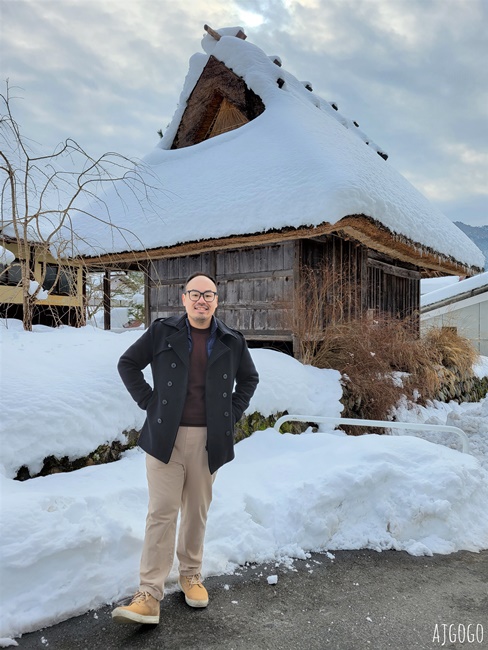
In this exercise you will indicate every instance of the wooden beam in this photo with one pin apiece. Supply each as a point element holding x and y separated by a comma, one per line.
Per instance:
<point>240,34</point>
<point>395,270</point>
<point>212,32</point>
<point>106,301</point>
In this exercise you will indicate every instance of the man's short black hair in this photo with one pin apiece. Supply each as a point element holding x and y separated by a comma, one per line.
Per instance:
<point>199,273</point>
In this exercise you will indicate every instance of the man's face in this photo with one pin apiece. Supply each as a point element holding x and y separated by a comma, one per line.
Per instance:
<point>200,312</point>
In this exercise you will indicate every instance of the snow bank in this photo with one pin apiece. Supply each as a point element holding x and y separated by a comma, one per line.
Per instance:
<point>72,542</point>
<point>66,398</point>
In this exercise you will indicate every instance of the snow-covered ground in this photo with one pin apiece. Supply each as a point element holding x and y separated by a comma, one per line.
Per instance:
<point>71,542</point>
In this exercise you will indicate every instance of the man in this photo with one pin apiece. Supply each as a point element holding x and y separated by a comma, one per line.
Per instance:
<point>204,378</point>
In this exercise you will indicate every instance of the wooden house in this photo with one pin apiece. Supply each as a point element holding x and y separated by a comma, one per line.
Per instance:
<point>259,181</point>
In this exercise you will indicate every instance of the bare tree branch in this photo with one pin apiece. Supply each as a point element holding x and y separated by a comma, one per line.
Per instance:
<point>43,205</point>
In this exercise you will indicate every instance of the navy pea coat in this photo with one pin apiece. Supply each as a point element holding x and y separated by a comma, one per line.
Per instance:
<point>230,383</point>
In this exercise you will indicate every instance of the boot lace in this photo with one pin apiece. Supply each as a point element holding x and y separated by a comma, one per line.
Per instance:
<point>139,597</point>
<point>195,580</point>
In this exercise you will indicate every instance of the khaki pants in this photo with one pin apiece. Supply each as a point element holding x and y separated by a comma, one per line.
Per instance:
<point>185,484</point>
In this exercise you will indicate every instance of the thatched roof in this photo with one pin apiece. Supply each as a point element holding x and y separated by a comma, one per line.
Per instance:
<point>290,166</point>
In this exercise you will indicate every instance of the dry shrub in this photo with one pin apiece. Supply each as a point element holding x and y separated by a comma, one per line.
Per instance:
<point>324,296</point>
<point>370,352</point>
<point>452,351</point>
<point>363,350</point>
<point>380,357</point>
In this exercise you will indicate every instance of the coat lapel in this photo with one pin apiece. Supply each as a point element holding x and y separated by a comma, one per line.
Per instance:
<point>218,350</point>
<point>179,343</point>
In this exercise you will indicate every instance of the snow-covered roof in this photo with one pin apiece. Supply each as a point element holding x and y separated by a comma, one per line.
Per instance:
<point>478,283</point>
<point>295,165</point>
<point>427,285</point>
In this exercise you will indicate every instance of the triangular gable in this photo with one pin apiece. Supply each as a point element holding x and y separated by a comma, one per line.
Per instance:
<point>219,102</point>
<point>228,118</point>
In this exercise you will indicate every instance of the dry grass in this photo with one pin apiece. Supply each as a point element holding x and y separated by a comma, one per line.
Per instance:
<point>451,350</point>
<point>380,357</point>
<point>324,296</point>
<point>370,352</point>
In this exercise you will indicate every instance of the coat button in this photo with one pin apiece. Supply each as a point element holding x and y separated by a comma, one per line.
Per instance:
<point>227,433</point>
<point>226,414</point>
<point>170,383</point>
<point>224,376</point>
<point>159,421</point>
<point>169,345</point>
<point>224,394</point>
<point>173,365</point>
<point>165,401</point>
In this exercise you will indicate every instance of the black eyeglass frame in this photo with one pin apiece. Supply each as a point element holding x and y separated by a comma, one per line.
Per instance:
<point>201,293</point>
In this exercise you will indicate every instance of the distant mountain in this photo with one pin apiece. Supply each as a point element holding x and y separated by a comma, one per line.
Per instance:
<point>477,234</point>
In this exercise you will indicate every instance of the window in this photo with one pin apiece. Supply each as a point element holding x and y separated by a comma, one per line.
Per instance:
<point>60,280</point>
<point>11,275</point>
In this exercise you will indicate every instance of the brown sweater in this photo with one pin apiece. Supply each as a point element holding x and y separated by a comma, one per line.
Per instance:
<point>194,412</point>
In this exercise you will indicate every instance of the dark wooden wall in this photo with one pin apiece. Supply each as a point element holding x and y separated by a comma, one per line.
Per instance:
<point>255,287</point>
<point>259,286</point>
<point>393,289</point>
<point>340,275</point>
<point>358,280</point>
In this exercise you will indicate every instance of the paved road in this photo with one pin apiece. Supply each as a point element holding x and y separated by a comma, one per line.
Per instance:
<point>358,600</point>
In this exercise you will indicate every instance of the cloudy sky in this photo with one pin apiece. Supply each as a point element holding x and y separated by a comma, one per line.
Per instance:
<point>413,73</point>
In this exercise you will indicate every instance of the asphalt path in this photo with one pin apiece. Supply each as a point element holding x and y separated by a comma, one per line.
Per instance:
<point>352,601</point>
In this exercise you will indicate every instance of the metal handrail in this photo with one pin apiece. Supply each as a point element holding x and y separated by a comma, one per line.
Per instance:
<point>376,423</point>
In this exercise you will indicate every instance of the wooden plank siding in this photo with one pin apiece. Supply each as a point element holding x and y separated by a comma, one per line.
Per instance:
<point>65,305</point>
<point>394,290</point>
<point>340,279</point>
<point>255,287</point>
<point>259,286</point>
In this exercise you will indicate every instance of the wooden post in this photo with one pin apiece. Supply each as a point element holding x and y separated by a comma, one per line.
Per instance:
<point>106,300</point>
<point>240,34</point>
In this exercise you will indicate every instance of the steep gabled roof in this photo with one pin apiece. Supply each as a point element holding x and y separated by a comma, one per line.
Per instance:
<point>297,168</point>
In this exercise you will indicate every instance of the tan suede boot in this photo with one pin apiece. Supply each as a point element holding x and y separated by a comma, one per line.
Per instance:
<point>195,593</point>
<point>143,608</point>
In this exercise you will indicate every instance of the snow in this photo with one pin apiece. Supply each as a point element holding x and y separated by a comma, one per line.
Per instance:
<point>455,289</point>
<point>6,256</point>
<point>300,163</point>
<point>427,285</point>
<point>119,316</point>
<point>35,286</point>
<point>71,542</point>
<point>481,367</point>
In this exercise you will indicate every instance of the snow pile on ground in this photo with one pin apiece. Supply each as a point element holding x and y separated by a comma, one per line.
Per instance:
<point>480,369</point>
<point>470,417</point>
<point>65,396</point>
<point>71,542</point>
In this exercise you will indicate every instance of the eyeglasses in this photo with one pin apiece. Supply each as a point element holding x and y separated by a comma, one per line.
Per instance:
<point>208,296</point>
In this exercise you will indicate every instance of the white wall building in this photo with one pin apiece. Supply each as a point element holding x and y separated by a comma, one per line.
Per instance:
<point>462,304</point>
